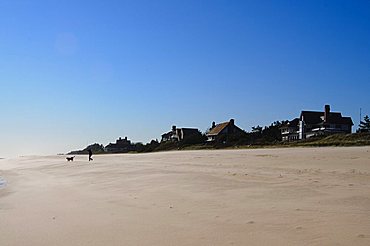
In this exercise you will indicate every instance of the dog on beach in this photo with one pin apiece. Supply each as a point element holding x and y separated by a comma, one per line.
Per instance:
<point>70,158</point>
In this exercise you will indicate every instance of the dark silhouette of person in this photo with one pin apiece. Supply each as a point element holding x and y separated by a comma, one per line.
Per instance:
<point>90,154</point>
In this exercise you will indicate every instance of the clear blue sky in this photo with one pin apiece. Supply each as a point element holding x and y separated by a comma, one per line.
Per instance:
<point>77,72</point>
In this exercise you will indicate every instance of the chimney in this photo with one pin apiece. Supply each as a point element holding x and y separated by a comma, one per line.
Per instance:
<point>213,125</point>
<point>326,113</point>
<point>232,122</point>
<point>174,128</point>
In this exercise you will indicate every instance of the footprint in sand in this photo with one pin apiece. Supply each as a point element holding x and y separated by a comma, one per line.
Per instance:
<point>251,222</point>
<point>361,236</point>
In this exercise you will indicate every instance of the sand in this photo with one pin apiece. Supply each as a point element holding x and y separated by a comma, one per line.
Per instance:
<point>292,196</point>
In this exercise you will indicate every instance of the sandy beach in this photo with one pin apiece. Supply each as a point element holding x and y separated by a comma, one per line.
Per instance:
<point>292,196</point>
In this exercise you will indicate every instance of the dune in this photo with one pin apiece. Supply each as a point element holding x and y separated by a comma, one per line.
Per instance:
<point>290,196</point>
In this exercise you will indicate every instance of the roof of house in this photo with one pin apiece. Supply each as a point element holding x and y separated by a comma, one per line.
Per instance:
<point>311,117</point>
<point>315,117</point>
<point>218,128</point>
<point>337,118</point>
<point>189,130</point>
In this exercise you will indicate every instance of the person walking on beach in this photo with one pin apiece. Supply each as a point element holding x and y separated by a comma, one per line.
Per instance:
<point>90,154</point>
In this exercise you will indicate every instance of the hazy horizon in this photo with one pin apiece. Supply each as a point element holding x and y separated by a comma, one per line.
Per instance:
<point>77,73</point>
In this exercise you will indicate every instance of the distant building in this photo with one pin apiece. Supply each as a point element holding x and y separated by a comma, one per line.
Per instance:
<point>179,134</point>
<point>316,123</point>
<point>290,130</point>
<point>121,146</point>
<point>224,128</point>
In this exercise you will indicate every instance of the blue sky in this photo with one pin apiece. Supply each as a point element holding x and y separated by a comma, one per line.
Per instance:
<point>77,72</point>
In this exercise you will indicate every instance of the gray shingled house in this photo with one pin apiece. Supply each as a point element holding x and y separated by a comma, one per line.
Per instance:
<point>316,123</point>
<point>179,134</point>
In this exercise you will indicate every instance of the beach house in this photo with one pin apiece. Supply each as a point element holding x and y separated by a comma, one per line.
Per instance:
<point>225,128</point>
<point>316,123</point>
<point>290,130</point>
<point>179,134</point>
<point>121,146</point>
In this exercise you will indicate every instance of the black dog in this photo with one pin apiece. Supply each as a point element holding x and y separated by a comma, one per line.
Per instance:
<point>70,158</point>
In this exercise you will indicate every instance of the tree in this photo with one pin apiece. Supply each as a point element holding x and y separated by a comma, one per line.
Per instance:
<point>365,124</point>
<point>257,129</point>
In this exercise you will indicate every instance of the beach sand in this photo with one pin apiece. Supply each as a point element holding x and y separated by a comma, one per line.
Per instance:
<point>292,196</point>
